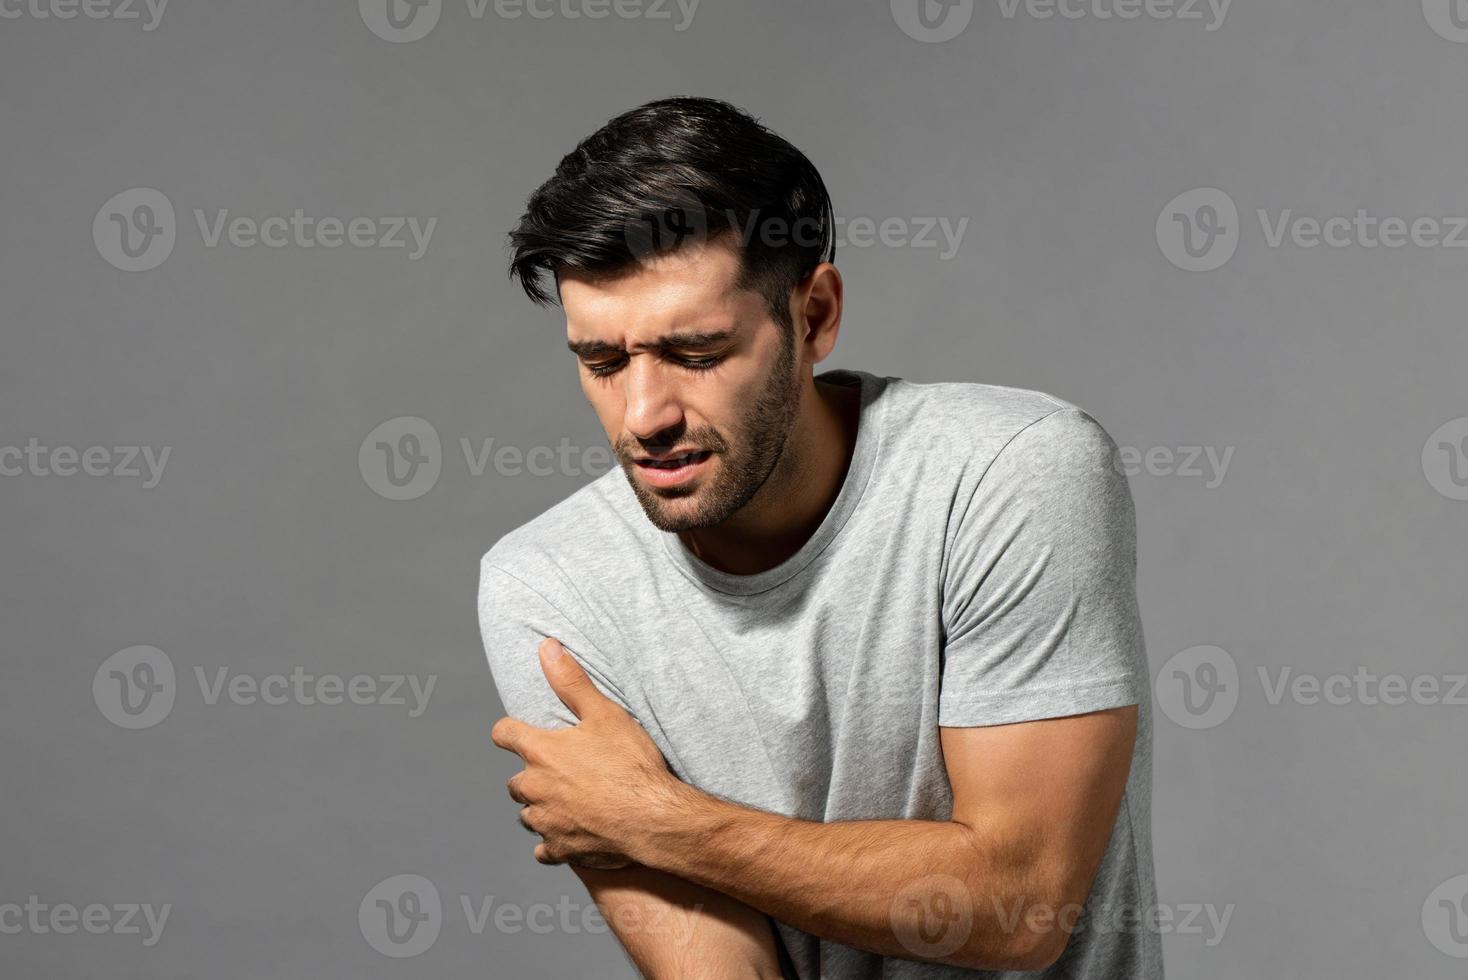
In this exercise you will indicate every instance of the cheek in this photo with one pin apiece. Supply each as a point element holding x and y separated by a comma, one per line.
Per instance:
<point>606,401</point>
<point>730,399</point>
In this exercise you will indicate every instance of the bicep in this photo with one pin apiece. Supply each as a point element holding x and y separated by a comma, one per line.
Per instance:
<point>1045,794</point>
<point>513,620</point>
<point>1040,615</point>
<point>672,928</point>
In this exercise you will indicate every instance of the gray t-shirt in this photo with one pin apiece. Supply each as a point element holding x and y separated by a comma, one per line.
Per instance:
<point>977,568</point>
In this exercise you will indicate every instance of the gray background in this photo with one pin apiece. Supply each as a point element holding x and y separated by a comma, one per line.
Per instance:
<point>1333,542</point>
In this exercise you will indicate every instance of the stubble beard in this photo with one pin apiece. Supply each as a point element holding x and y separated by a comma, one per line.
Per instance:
<point>745,462</point>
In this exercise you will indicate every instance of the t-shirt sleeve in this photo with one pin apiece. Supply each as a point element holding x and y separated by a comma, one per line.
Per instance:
<point>513,619</point>
<point>1039,603</point>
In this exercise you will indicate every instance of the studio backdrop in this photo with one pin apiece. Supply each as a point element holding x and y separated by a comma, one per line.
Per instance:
<point>267,395</point>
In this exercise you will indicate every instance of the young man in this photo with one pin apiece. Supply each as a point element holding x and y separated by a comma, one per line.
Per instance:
<point>842,676</point>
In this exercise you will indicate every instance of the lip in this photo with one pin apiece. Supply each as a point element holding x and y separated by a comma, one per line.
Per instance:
<point>662,476</point>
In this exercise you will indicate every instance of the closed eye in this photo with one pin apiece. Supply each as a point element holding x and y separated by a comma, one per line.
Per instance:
<point>605,368</point>
<point>698,363</point>
<point>608,368</point>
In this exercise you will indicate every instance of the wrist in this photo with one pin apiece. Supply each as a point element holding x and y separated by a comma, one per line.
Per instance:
<point>678,820</point>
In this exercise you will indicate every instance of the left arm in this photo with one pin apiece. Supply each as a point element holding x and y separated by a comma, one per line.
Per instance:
<point>1033,807</point>
<point>1004,880</point>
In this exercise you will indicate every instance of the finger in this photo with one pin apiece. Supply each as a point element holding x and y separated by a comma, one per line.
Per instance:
<point>525,819</point>
<point>514,736</point>
<point>515,786</point>
<point>569,680</point>
<point>544,855</point>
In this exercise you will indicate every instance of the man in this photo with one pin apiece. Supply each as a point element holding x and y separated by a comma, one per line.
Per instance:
<point>841,674</point>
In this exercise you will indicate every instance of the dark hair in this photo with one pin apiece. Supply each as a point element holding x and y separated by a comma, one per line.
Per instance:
<point>670,172</point>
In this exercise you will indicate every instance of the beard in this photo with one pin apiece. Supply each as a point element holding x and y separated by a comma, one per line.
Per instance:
<point>745,460</point>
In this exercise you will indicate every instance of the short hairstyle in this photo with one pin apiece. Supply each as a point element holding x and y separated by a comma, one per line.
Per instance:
<point>670,172</point>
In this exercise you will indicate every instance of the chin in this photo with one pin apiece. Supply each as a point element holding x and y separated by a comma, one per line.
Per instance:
<point>701,503</point>
<point>675,512</point>
<point>674,515</point>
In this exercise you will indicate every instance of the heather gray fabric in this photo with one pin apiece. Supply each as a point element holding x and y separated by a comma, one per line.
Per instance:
<point>977,568</point>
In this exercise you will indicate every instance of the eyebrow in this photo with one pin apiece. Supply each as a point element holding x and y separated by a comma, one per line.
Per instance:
<point>672,341</point>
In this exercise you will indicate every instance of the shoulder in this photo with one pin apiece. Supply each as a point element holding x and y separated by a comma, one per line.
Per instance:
<point>1035,478</point>
<point>578,537</point>
<point>976,425</point>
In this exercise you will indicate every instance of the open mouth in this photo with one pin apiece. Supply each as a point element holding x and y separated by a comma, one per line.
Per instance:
<point>671,472</point>
<point>674,462</point>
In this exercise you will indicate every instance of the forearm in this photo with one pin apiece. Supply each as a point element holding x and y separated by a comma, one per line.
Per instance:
<point>861,883</point>
<point>673,929</point>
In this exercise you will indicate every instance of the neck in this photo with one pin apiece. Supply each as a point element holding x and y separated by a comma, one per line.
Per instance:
<point>788,509</point>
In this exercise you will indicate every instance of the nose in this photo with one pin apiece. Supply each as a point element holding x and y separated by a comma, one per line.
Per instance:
<point>652,402</point>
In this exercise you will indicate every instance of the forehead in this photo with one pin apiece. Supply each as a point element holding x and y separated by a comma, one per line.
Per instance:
<point>692,287</point>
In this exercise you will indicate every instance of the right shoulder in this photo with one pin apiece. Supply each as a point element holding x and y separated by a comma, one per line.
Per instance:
<point>576,538</point>
<point>543,579</point>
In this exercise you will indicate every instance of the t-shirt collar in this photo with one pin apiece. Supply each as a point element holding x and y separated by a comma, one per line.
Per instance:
<point>858,473</point>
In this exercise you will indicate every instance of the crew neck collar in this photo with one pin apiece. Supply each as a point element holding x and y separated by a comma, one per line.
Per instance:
<point>858,472</point>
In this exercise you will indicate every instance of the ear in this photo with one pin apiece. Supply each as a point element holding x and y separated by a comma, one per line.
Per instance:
<point>815,309</point>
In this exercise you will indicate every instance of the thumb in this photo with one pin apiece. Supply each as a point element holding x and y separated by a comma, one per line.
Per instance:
<point>568,679</point>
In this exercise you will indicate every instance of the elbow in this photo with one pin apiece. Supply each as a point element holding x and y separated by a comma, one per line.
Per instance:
<point>1032,936</point>
<point>1034,952</point>
<point>1020,953</point>
<point>1016,911</point>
